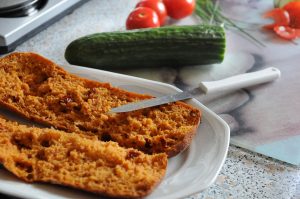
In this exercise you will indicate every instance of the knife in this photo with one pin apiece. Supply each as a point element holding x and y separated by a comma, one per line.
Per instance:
<point>228,84</point>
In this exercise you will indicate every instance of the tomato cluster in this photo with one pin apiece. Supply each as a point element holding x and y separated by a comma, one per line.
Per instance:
<point>153,13</point>
<point>286,20</point>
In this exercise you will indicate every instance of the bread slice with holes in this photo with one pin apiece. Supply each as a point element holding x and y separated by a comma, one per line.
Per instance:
<point>47,155</point>
<point>42,91</point>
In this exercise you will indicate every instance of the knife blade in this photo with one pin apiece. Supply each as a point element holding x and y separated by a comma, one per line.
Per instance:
<point>228,84</point>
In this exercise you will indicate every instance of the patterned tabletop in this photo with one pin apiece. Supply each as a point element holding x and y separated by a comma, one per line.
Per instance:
<point>245,174</point>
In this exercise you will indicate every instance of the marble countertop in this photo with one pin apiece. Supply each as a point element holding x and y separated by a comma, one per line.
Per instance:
<point>244,175</point>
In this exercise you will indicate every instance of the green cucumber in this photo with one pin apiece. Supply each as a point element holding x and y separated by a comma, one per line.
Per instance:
<point>166,46</point>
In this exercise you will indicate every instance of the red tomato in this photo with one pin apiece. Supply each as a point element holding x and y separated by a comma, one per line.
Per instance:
<point>280,17</point>
<point>158,6</point>
<point>286,32</point>
<point>293,8</point>
<point>178,9</point>
<point>142,17</point>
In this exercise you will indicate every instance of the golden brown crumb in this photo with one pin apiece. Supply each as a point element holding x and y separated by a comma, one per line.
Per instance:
<point>47,155</point>
<point>42,91</point>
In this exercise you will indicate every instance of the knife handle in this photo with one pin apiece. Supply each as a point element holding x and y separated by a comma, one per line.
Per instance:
<point>241,81</point>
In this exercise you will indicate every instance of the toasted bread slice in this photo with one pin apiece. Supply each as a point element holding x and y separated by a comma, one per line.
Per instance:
<point>42,91</point>
<point>48,155</point>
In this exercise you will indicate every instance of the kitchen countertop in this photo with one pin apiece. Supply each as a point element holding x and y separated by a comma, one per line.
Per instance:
<point>244,175</point>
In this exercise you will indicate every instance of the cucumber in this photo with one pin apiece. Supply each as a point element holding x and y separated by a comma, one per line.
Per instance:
<point>171,46</point>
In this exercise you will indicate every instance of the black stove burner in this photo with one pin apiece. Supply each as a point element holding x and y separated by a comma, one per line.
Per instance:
<point>20,8</point>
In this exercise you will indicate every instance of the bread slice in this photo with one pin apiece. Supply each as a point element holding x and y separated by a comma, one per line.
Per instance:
<point>47,155</point>
<point>40,90</point>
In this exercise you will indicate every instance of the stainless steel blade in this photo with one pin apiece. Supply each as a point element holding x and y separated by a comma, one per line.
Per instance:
<point>227,84</point>
<point>157,101</point>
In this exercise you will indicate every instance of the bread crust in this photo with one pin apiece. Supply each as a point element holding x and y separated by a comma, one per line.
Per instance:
<point>177,135</point>
<point>184,144</point>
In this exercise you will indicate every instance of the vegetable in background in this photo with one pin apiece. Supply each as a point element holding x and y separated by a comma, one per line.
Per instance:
<point>286,20</point>
<point>142,17</point>
<point>293,8</point>
<point>281,18</point>
<point>210,13</point>
<point>178,9</point>
<point>169,46</point>
<point>286,32</point>
<point>158,6</point>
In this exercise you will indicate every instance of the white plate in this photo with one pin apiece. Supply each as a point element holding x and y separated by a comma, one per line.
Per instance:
<point>188,173</point>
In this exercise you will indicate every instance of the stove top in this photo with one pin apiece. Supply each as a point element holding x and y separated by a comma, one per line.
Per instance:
<point>20,8</point>
<point>21,19</point>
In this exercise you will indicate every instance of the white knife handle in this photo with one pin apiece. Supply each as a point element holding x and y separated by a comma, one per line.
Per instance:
<point>241,81</point>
